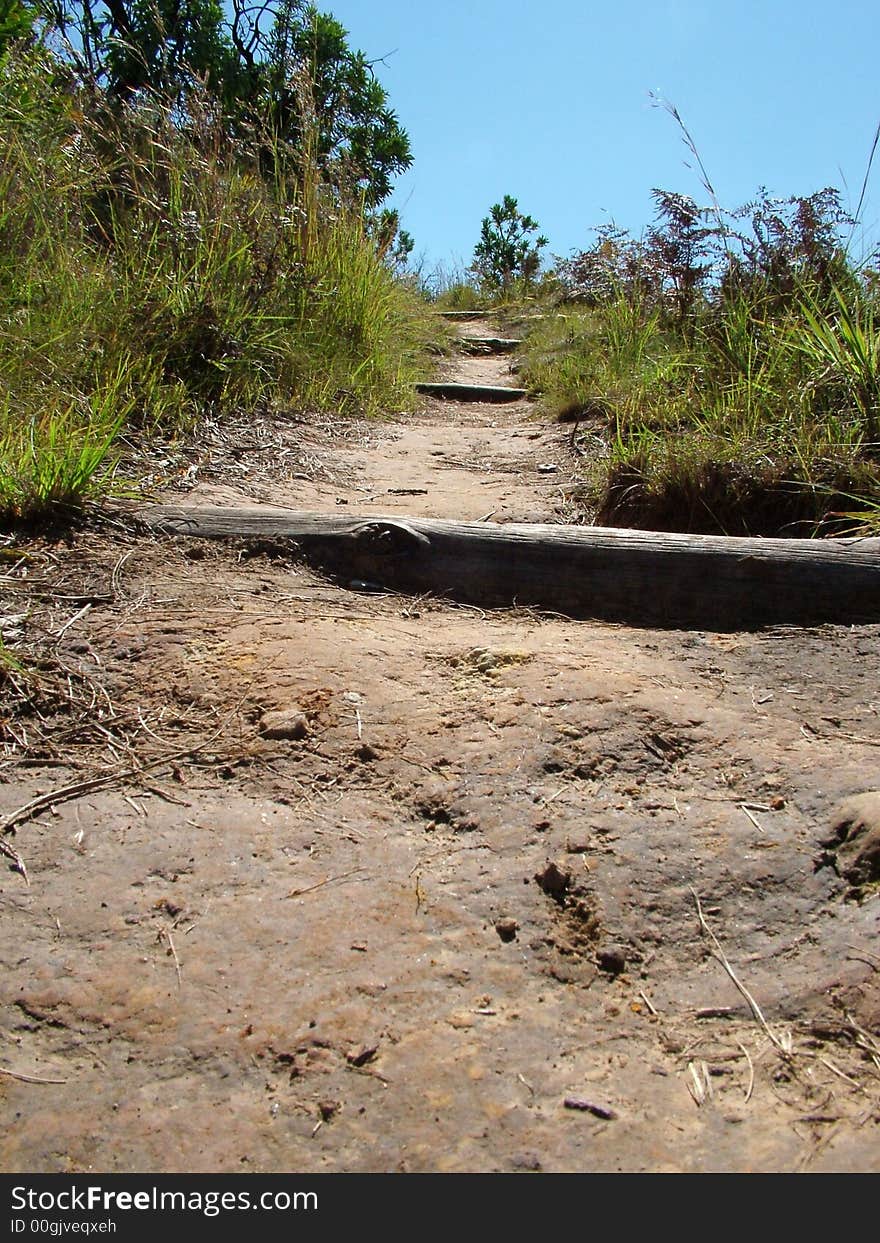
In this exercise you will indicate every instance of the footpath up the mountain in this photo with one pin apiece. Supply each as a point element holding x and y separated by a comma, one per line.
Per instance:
<point>323,877</point>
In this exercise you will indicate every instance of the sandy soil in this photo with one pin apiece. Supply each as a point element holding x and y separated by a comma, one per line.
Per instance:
<point>327,880</point>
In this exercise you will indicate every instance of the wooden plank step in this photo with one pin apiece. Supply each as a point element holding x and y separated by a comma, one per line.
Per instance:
<point>465,315</point>
<point>639,577</point>
<point>471,392</point>
<point>489,345</point>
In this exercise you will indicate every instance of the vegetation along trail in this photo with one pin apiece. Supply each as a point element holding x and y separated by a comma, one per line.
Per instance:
<point>308,875</point>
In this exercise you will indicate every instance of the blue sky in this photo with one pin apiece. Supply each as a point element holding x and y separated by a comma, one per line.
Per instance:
<point>550,102</point>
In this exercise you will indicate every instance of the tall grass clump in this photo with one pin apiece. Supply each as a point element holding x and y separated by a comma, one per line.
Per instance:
<point>726,368</point>
<point>156,268</point>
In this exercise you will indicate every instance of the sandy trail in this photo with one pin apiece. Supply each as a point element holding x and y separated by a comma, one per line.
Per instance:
<point>344,948</point>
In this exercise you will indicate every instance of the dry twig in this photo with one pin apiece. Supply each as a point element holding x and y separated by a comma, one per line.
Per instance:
<point>751,1072</point>
<point>17,861</point>
<point>165,935</point>
<point>14,1074</point>
<point>718,953</point>
<point>331,880</point>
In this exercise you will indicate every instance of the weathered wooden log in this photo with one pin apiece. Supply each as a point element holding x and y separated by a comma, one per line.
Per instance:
<point>489,345</point>
<point>465,315</point>
<point>471,392</point>
<point>639,577</point>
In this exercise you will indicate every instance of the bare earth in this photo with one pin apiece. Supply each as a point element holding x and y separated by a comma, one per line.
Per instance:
<point>452,919</point>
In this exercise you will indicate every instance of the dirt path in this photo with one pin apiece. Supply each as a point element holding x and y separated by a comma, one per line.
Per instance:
<point>405,878</point>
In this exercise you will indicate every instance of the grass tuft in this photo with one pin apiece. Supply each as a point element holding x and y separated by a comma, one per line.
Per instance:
<point>153,274</point>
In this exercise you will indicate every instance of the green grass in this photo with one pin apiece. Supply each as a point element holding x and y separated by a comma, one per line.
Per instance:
<point>747,423</point>
<point>151,275</point>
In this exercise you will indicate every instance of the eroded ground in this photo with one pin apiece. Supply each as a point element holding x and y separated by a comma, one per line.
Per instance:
<point>345,947</point>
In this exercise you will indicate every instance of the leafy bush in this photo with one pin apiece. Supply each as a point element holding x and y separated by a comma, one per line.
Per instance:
<point>507,257</point>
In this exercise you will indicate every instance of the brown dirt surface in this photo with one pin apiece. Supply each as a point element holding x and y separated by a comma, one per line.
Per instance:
<point>334,880</point>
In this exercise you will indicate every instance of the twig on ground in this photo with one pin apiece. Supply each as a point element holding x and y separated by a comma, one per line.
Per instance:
<point>62,795</point>
<point>701,1090</point>
<point>860,738</point>
<point>416,764</point>
<point>167,796</point>
<point>751,1072</point>
<point>331,880</point>
<point>17,861</point>
<point>165,935</point>
<point>116,576</point>
<point>826,1061</point>
<point>860,950</point>
<point>14,1074</point>
<point>722,958</point>
<point>73,620</point>
<point>747,809</point>
<point>647,1001</point>
<point>75,789</point>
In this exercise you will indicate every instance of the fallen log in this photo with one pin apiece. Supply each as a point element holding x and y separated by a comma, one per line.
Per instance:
<point>465,315</point>
<point>471,392</point>
<point>638,577</point>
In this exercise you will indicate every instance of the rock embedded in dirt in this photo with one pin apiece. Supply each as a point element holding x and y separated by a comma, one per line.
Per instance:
<point>554,881</point>
<point>528,1161</point>
<point>855,839</point>
<point>286,723</point>
<point>590,1107</point>
<point>612,959</point>
<point>361,1055</point>
<point>506,929</point>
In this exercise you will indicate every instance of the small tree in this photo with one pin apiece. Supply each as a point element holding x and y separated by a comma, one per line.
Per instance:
<point>278,66</point>
<point>506,252</point>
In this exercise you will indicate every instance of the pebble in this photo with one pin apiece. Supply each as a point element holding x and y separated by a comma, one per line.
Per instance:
<point>285,723</point>
<point>611,959</point>
<point>553,880</point>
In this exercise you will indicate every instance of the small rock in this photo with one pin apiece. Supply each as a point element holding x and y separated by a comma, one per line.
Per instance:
<point>506,929</point>
<point>285,723</point>
<point>611,959</point>
<point>856,837</point>
<point>366,753</point>
<point>328,1109</point>
<point>528,1161</point>
<point>553,880</point>
<point>361,1055</point>
<point>598,1111</point>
